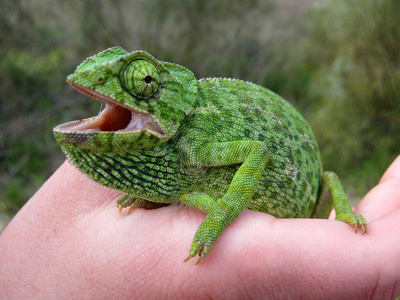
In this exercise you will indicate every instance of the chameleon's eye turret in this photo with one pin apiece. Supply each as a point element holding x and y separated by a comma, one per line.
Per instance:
<point>140,78</point>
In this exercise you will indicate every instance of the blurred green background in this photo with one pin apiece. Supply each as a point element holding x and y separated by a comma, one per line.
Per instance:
<point>337,61</point>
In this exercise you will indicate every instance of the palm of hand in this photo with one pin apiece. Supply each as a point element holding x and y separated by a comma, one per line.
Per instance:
<point>64,243</point>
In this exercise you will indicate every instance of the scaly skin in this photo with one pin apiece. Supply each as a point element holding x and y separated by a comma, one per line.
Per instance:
<point>219,145</point>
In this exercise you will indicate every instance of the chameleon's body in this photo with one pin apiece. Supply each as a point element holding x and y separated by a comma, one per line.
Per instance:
<point>218,145</point>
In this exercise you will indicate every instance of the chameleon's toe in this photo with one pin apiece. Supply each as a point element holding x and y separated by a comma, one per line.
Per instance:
<point>198,248</point>
<point>201,254</point>
<point>357,220</point>
<point>188,258</point>
<point>124,204</point>
<point>125,201</point>
<point>131,208</point>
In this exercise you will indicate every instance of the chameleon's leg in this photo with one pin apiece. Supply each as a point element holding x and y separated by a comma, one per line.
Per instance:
<point>201,201</point>
<point>253,156</point>
<point>135,202</point>
<point>331,187</point>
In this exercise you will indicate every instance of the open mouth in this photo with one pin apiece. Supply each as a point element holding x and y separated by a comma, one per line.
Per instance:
<point>114,117</point>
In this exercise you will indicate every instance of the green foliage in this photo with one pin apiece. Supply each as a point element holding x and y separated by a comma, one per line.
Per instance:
<point>32,81</point>
<point>344,72</point>
<point>197,33</point>
<point>354,90</point>
<point>25,117</point>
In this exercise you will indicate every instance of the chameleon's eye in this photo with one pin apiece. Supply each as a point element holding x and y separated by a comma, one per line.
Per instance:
<point>140,78</point>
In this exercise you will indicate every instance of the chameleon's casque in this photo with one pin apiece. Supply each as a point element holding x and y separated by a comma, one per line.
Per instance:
<point>219,145</point>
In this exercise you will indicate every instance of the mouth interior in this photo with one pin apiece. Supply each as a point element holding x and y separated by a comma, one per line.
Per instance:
<point>114,117</point>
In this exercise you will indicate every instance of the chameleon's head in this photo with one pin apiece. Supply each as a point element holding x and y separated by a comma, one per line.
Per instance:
<point>145,101</point>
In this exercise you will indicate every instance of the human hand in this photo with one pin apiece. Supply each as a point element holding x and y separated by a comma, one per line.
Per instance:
<point>69,241</point>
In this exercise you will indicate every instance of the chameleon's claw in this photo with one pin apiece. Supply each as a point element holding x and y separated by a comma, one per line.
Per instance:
<point>364,228</point>
<point>120,207</point>
<point>188,258</point>
<point>358,221</point>
<point>179,203</point>
<point>201,254</point>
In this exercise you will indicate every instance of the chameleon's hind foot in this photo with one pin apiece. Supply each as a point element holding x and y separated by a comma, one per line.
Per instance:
<point>332,190</point>
<point>355,220</point>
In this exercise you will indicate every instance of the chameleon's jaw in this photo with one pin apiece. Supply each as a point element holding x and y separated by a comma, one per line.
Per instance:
<point>114,117</point>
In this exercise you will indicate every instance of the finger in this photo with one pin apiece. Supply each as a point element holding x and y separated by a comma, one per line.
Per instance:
<point>385,197</point>
<point>393,172</point>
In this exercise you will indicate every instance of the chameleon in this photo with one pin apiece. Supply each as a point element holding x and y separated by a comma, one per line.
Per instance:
<point>218,145</point>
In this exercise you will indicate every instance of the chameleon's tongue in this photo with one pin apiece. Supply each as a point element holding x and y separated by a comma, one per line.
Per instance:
<point>114,117</point>
<point>141,121</point>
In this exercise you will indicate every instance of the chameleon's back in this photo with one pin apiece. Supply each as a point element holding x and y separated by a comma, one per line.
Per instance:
<point>238,110</point>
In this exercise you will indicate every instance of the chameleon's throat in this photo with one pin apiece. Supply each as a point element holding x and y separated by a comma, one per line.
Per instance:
<point>114,117</point>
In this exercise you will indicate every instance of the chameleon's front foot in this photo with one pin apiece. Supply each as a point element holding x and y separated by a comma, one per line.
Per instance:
<point>132,201</point>
<point>203,249</point>
<point>206,235</point>
<point>202,253</point>
<point>355,220</point>
<point>125,201</point>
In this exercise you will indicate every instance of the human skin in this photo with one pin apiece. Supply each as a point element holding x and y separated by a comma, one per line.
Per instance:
<point>69,241</point>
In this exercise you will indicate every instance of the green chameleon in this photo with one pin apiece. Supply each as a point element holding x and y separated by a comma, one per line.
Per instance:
<point>218,145</point>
